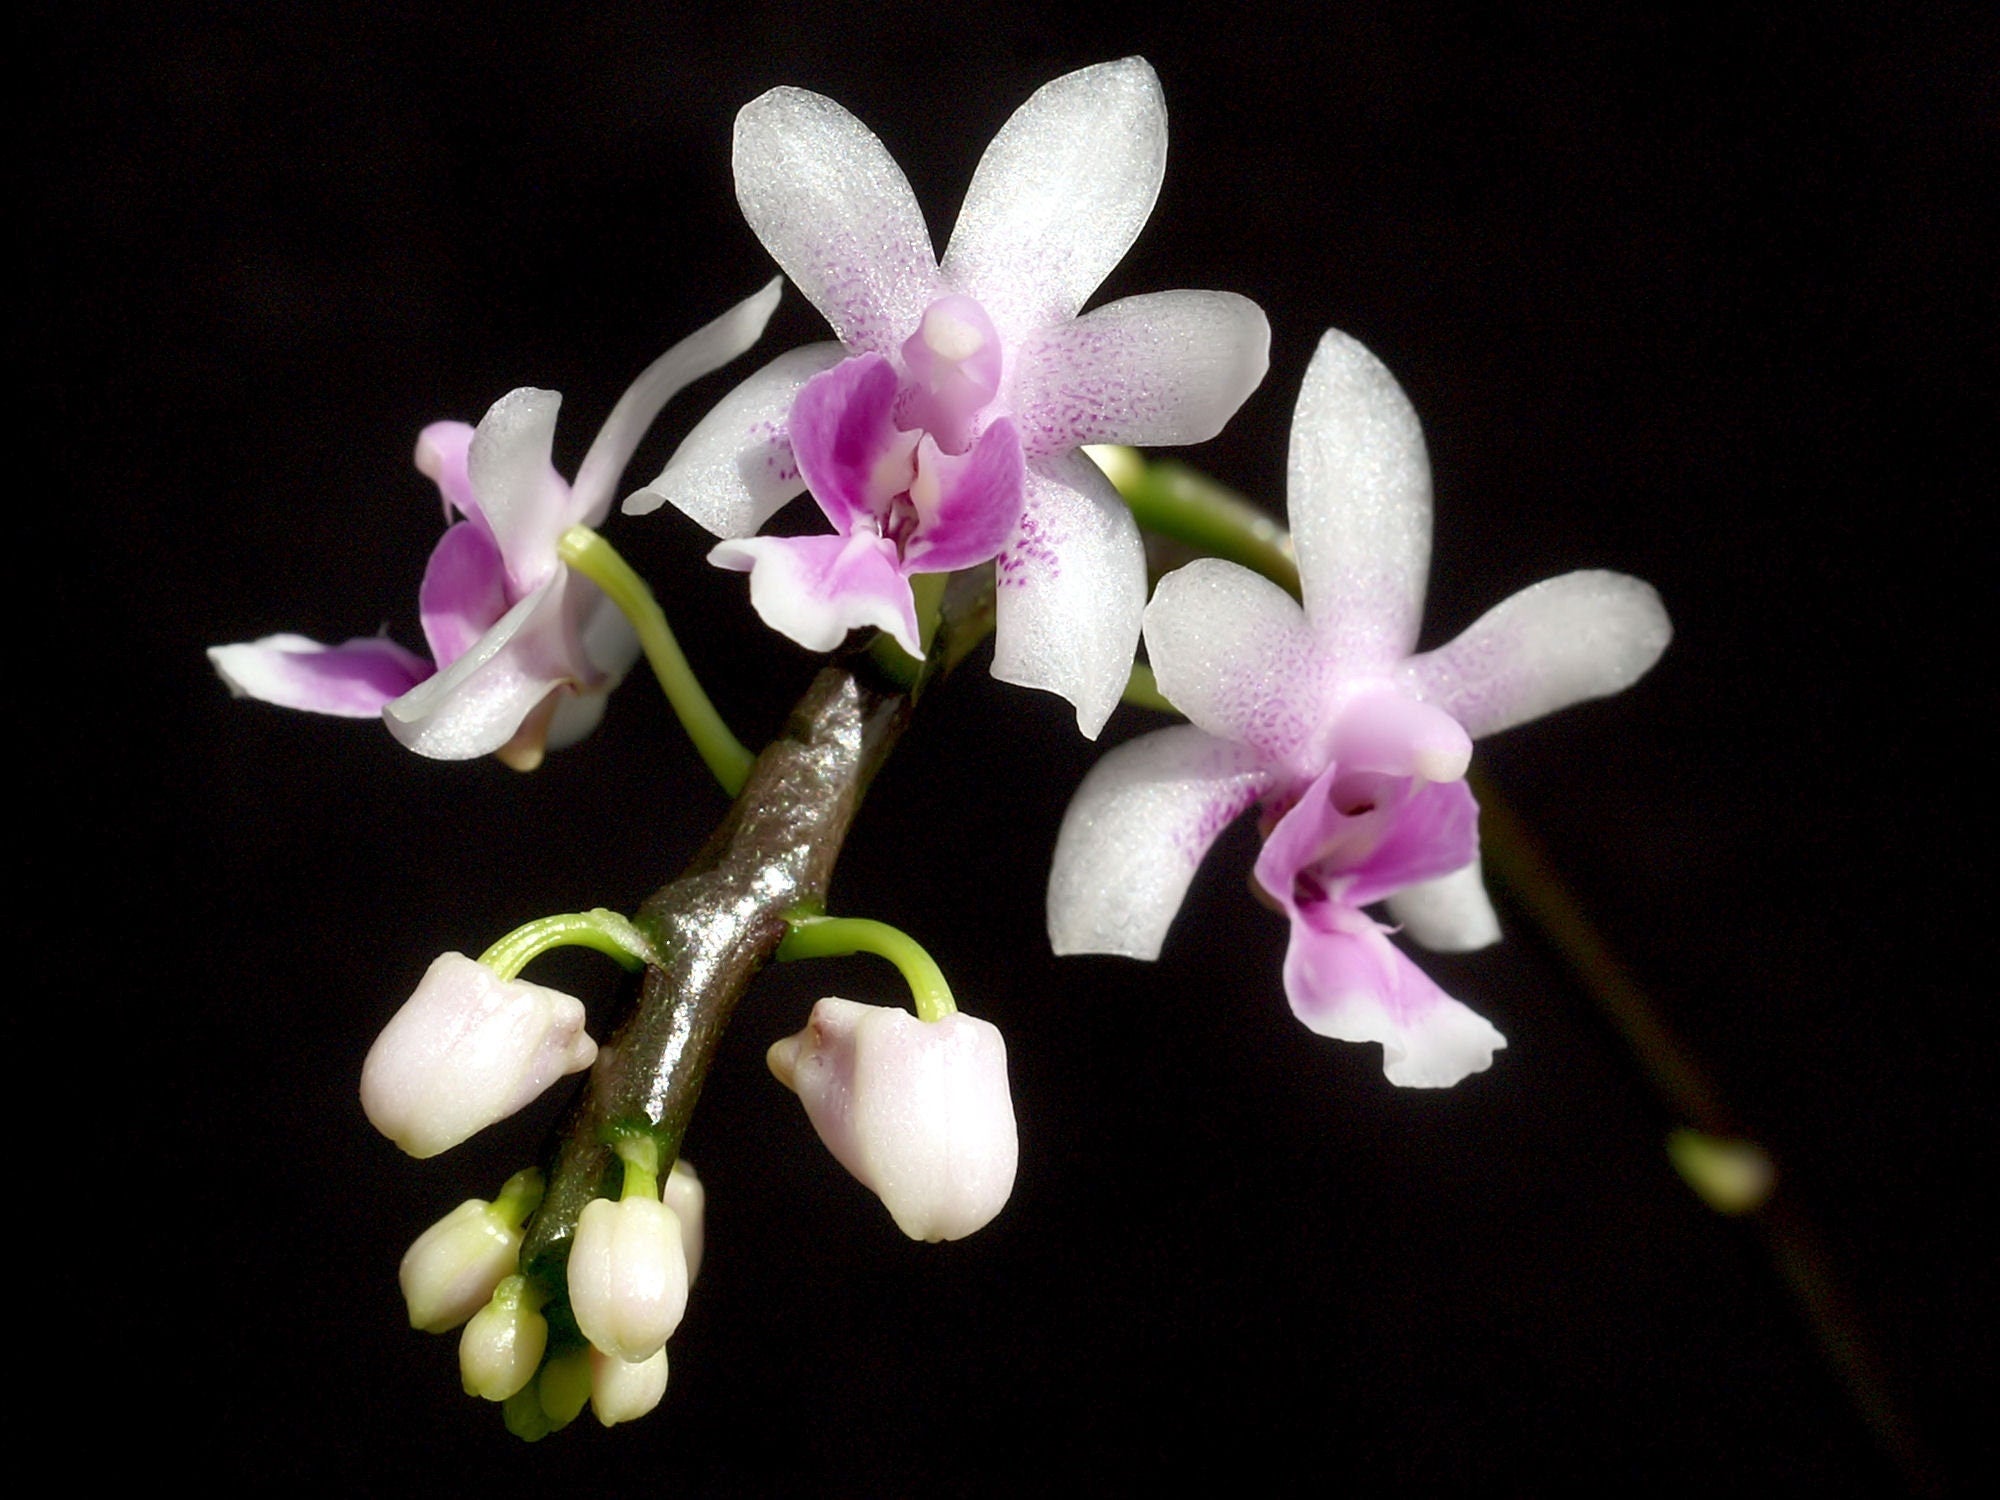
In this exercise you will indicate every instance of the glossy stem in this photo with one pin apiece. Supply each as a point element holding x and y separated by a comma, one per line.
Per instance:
<point>713,928</point>
<point>595,558</point>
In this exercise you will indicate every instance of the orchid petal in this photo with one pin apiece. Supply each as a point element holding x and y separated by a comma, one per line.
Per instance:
<point>707,349</point>
<point>464,591</point>
<point>610,646</point>
<point>1135,831</point>
<point>353,679</point>
<point>735,470</point>
<point>525,501</point>
<point>1072,586</point>
<point>1451,914</point>
<point>1361,835</point>
<point>978,506</point>
<point>1435,831</point>
<point>815,589</point>
<point>1060,195</point>
<point>1171,367</point>
<point>1345,980</point>
<point>846,446</point>
<point>837,215</point>
<point>476,705</point>
<point>1360,489</point>
<point>1232,651</point>
<point>1564,640</point>
<point>441,451</point>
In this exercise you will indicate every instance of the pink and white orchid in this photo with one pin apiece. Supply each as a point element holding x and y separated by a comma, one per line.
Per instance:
<point>524,651</point>
<point>1355,746</point>
<point>941,430</point>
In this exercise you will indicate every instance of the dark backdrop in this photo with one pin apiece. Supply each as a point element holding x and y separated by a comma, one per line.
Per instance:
<point>1700,302</point>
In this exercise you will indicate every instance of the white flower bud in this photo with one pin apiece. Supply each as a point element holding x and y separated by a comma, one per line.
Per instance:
<point>466,1049</point>
<point>628,1280</point>
<point>503,1344</point>
<point>622,1391</point>
<point>685,1196</point>
<point>916,1110</point>
<point>452,1269</point>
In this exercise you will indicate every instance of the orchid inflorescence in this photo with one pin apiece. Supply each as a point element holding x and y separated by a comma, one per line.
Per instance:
<point>945,437</point>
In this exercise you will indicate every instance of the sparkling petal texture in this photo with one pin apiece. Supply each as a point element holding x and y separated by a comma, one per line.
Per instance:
<point>1072,588</point>
<point>477,704</point>
<point>1061,193</point>
<point>1451,914</point>
<point>918,1111</point>
<point>1134,833</point>
<point>354,679</point>
<point>1360,505</point>
<point>814,589</point>
<point>735,470</point>
<point>1167,368</point>
<point>525,502</point>
<point>837,215</point>
<point>1232,651</point>
<point>1562,641</point>
<point>466,1049</point>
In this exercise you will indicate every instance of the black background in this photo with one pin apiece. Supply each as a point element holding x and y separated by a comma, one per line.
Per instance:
<point>1698,301</point>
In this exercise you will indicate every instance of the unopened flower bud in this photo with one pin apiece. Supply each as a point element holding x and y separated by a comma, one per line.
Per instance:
<point>622,1390</point>
<point>564,1385</point>
<point>628,1280</point>
<point>452,1269</point>
<point>466,1049</point>
<point>684,1194</point>
<point>503,1344</point>
<point>917,1110</point>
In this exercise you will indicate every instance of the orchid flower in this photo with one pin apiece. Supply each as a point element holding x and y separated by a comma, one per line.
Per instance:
<point>524,650</point>
<point>941,431</point>
<point>1355,746</point>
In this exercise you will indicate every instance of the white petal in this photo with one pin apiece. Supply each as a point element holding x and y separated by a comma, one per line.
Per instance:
<point>524,500</point>
<point>1565,640</point>
<point>708,348</point>
<point>1072,586</point>
<point>1135,831</point>
<point>816,589</point>
<point>1060,195</point>
<point>735,470</point>
<point>837,214</point>
<point>476,704</point>
<point>1360,503</point>
<point>1171,367</point>
<point>1452,914</point>
<point>1233,652</point>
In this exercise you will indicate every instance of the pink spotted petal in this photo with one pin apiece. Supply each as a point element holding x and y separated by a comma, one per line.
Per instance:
<point>846,443</point>
<point>354,679</point>
<point>441,451</point>
<point>464,591</point>
<point>815,589</point>
<point>1072,586</point>
<point>837,215</point>
<point>1167,368</point>
<point>977,506</point>
<point>1347,981</point>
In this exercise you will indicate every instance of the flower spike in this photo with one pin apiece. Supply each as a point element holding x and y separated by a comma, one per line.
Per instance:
<point>1356,748</point>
